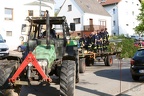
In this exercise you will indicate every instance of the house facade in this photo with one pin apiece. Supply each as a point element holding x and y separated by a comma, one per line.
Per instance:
<point>88,15</point>
<point>124,14</point>
<point>13,15</point>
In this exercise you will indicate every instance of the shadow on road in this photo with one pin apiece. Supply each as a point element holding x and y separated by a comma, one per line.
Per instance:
<point>116,74</point>
<point>95,92</point>
<point>39,90</point>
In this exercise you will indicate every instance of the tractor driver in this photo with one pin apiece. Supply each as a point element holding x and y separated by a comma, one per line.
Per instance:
<point>52,32</point>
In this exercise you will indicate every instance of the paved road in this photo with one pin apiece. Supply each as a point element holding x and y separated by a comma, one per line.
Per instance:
<point>98,80</point>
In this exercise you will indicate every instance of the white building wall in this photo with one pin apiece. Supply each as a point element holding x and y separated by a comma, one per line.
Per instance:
<point>77,13</point>
<point>127,21</point>
<point>114,17</point>
<point>70,15</point>
<point>123,16</point>
<point>20,12</point>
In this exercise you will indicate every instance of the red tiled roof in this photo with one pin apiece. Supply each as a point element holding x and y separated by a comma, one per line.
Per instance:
<point>108,2</point>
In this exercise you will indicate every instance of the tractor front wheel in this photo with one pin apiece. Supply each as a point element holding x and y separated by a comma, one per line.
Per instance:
<point>67,78</point>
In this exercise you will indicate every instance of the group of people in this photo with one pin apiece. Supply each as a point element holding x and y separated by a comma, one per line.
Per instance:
<point>97,41</point>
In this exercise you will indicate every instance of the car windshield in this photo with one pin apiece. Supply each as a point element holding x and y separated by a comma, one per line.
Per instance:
<point>139,53</point>
<point>1,39</point>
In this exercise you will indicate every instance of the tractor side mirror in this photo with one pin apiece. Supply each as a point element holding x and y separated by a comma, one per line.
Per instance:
<point>72,26</point>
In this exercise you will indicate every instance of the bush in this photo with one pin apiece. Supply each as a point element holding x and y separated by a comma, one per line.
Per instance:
<point>126,46</point>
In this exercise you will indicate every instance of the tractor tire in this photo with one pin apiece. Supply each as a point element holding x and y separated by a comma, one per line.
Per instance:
<point>67,78</point>
<point>82,66</point>
<point>7,69</point>
<point>108,61</point>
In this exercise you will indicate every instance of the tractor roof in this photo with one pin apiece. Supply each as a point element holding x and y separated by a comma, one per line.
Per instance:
<point>42,20</point>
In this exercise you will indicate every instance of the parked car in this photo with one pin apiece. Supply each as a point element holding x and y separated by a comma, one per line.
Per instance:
<point>137,64</point>
<point>4,49</point>
<point>139,43</point>
<point>135,37</point>
<point>22,47</point>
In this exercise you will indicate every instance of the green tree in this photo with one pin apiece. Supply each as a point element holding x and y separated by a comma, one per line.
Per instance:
<point>140,28</point>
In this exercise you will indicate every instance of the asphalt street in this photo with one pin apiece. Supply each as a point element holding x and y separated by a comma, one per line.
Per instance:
<point>98,80</point>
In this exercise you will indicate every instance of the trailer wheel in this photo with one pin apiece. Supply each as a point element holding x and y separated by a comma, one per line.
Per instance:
<point>67,78</point>
<point>92,61</point>
<point>105,61</point>
<point>108,61</point>
<point>87,61</point>
<point>82,65</point>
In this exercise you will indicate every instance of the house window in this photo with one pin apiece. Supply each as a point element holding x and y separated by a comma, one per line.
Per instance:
<point>132,12</point>
<point>77,20</point>
<point>43,13</point>
<point>126,1</point>
<point>23,28</point>
<point>113,11</point>
<point>127,24</point>
<point>30,12</point>
<point>8,33</point>
<point>103,0</point>
<point>114,23</point>
<point>8,14</point>
<point>69,7</point>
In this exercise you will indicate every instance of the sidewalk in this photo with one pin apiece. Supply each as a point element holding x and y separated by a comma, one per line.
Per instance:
<point>15,53</point>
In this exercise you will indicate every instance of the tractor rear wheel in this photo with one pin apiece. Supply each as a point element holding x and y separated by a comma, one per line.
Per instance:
<point>67,78</point>
<point>82,65</point>
<point>7,69</point>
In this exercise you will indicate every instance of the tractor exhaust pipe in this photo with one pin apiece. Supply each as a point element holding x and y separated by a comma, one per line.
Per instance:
<point>47,29</point>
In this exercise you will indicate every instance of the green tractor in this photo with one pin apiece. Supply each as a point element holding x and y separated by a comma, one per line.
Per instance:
<point>43,57</point>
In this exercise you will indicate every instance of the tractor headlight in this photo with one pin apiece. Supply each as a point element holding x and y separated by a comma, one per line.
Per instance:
<point>29,64</point>
<point>42,62</point>
<point>67,37</point>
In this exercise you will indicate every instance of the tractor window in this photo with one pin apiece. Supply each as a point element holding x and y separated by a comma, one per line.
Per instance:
<point>33,32</point>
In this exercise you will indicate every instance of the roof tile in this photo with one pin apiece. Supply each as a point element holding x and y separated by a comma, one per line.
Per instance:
<point>92,6</point>
<point>108,2</point>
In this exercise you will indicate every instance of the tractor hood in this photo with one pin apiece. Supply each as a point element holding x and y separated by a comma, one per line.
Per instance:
<point>42,52</point>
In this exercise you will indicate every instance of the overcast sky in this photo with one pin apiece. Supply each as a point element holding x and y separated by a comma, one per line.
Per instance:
<point>58,3</point>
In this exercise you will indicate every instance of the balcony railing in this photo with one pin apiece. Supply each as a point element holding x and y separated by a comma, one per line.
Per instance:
<point>93,27</point>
